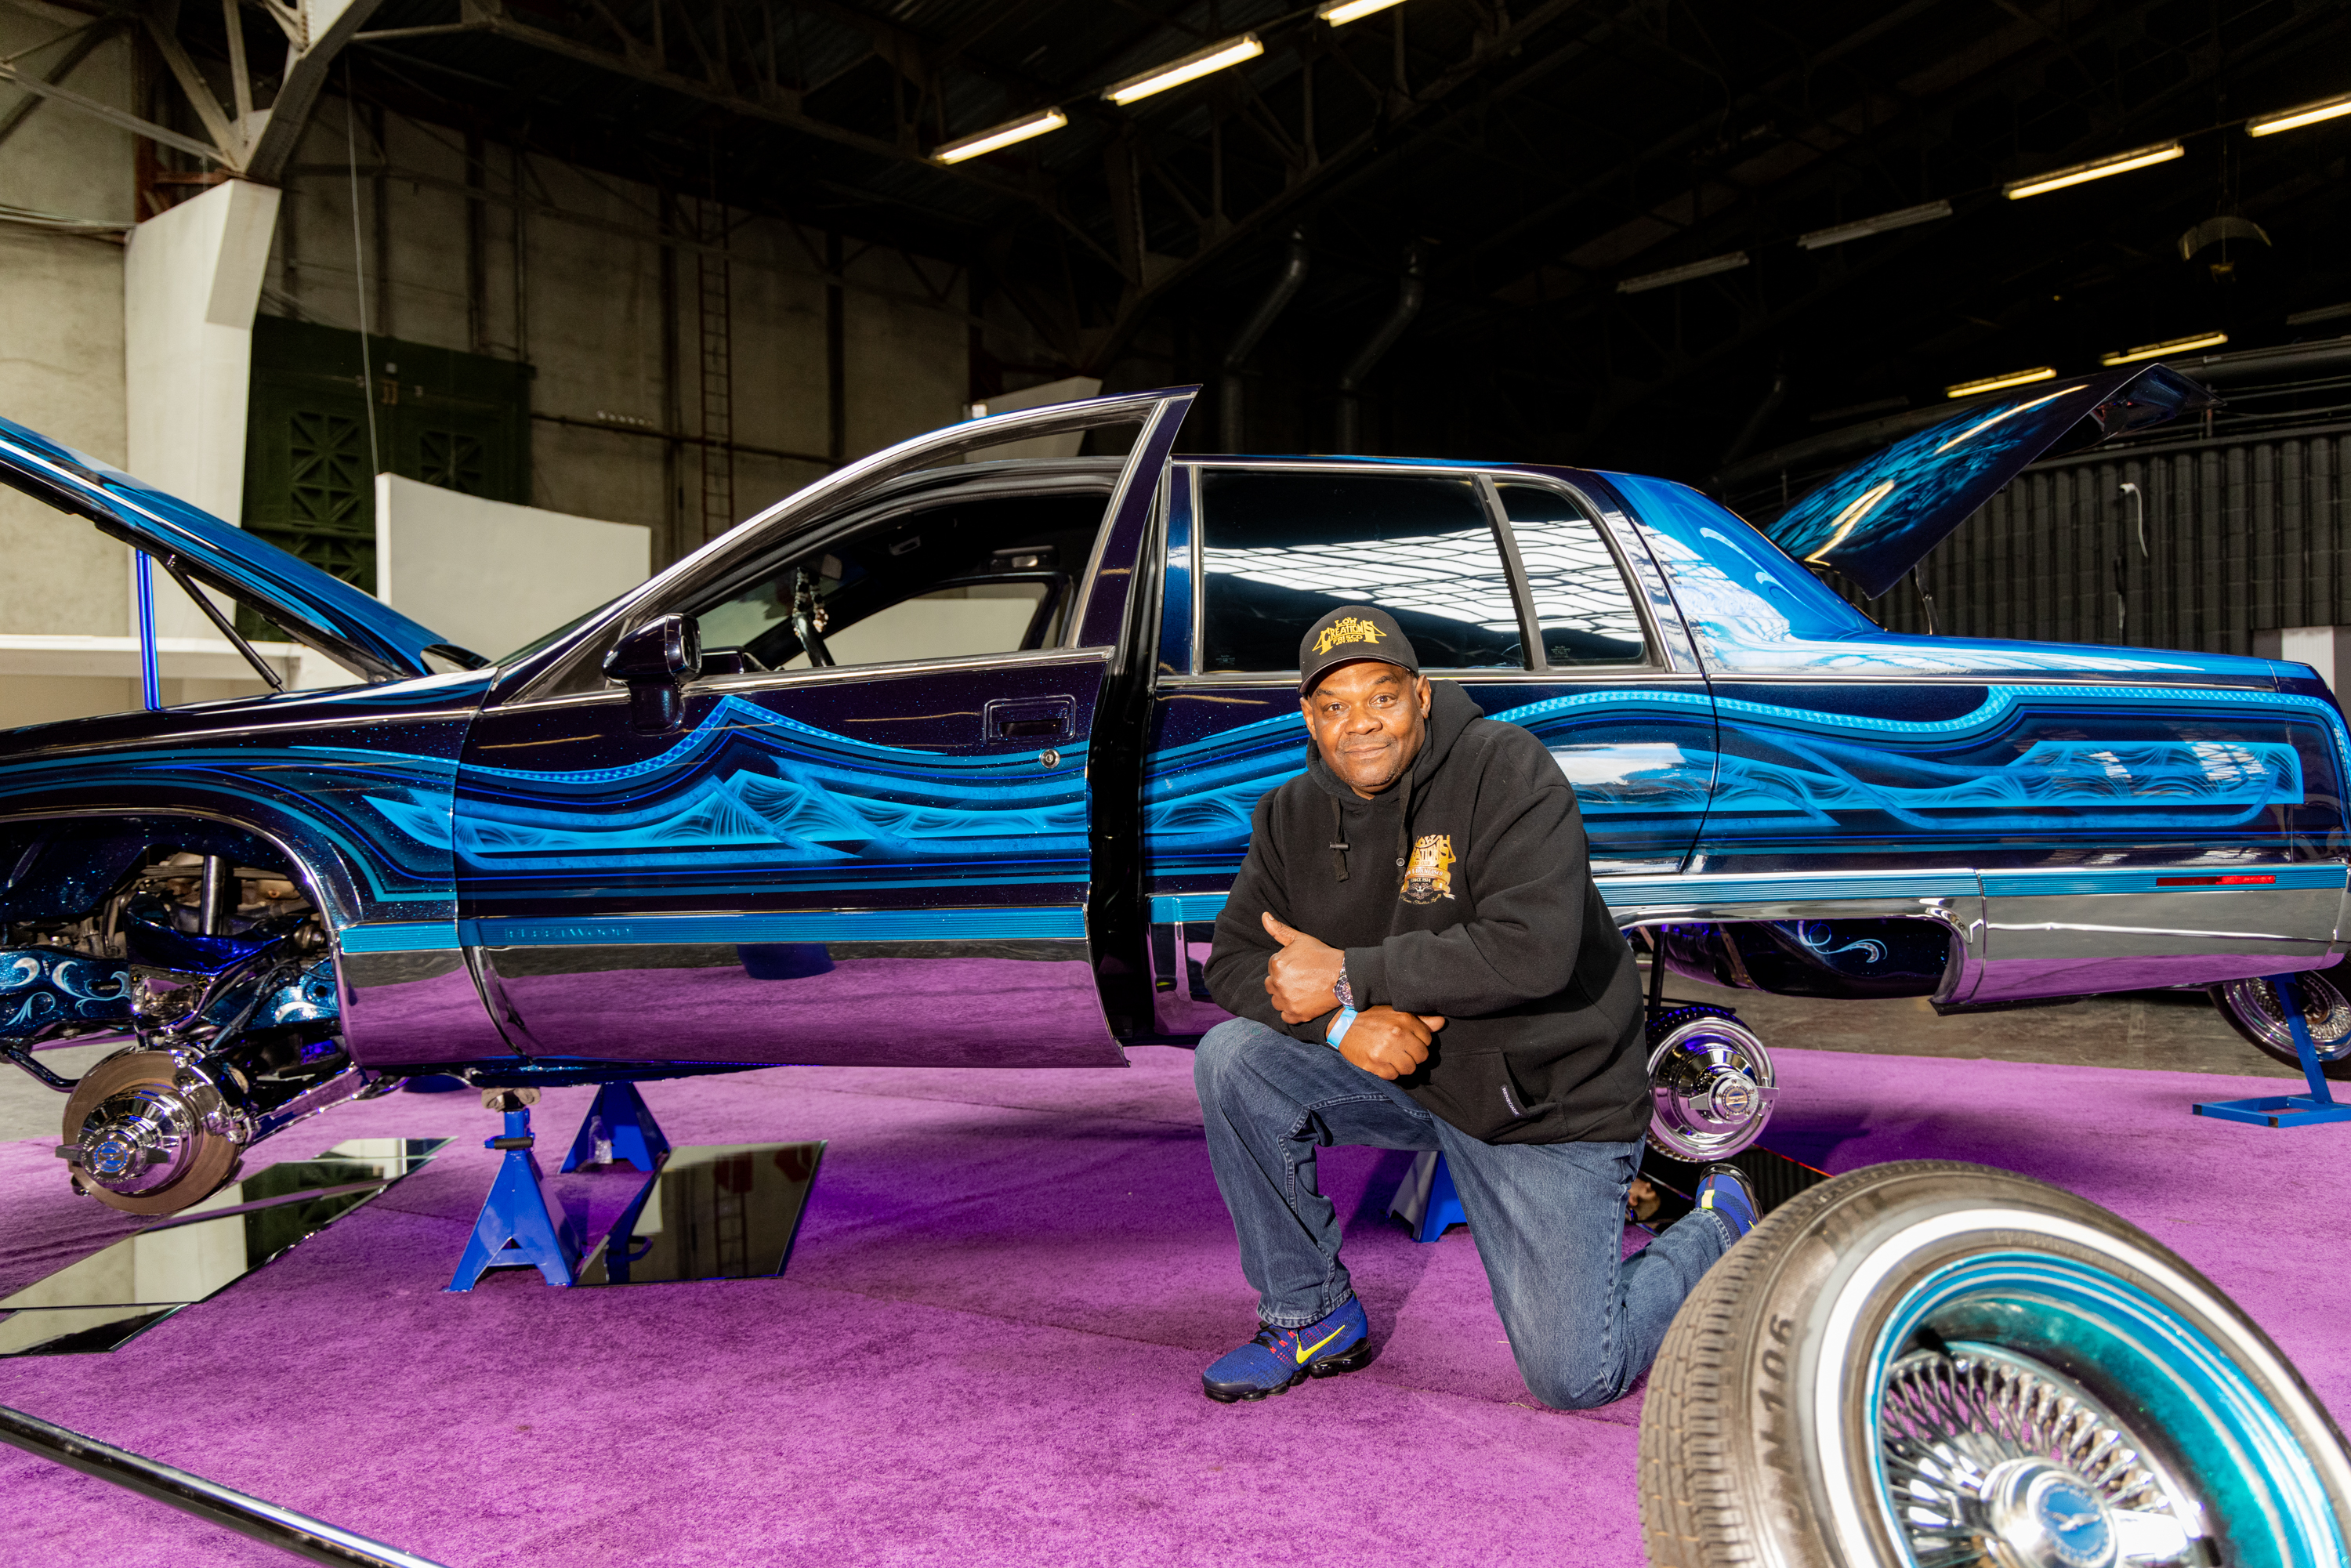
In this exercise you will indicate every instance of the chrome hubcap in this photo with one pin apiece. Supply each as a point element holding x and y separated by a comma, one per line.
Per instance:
<point>139,1140</point>
<point>1710,1090</point>
<point>2045,1516</point>
<point>1991,1458</point>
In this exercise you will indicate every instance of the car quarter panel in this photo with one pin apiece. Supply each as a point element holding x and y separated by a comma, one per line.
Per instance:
<point>355,786</point>
<point>2087,818</point>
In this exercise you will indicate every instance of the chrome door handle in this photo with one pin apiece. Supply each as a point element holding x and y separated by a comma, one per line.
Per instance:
<point>1030,718</point>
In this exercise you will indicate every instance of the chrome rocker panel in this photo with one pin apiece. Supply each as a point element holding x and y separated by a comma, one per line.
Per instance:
<point>2021,936</point>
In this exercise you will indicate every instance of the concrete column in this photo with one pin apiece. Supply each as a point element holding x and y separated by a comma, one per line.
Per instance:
<point>191,282</point>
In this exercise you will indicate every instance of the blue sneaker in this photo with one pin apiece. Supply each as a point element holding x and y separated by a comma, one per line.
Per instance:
<point>1278,1359</point>
<point>1724,1189</point>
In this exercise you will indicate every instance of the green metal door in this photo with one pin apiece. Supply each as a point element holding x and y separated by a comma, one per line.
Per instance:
<point>459,421</point>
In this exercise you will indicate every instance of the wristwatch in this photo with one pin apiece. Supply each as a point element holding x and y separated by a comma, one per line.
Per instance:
<point>1340,989</point>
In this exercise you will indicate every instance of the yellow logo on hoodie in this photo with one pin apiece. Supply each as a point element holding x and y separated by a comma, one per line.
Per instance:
<point>1429,876</point>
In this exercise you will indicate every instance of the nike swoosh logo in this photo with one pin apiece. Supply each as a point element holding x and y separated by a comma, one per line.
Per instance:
<point>1305,1351</point>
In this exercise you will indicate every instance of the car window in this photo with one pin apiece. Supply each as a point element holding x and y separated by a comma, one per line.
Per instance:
<point>1581,599</point>
<point>1281,548</point>
<point>963,579</point>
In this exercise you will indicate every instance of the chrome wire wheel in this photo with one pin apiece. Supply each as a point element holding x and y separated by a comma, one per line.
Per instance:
<point>2254,1010</point>
<point>1992,1458</point>
<point>1930,1364</point>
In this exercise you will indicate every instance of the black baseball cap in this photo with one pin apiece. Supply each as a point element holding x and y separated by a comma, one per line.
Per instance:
<point>1350,632</point>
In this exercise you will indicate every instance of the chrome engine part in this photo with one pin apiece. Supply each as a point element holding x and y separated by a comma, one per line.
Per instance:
<point>150,1132</point>
<point>1711,1087</point>
<point>221,972</point>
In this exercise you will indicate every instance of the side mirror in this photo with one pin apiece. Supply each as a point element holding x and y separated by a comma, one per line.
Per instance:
<point>652,660</point>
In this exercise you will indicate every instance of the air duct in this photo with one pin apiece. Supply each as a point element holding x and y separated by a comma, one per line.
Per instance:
<point>1286,284</point>
<point>1409,294</point>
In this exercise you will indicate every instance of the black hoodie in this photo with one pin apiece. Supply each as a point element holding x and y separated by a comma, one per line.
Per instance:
<point>1465,890</point>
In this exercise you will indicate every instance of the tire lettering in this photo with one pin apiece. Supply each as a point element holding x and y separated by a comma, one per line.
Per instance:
<point>1772,1438</point>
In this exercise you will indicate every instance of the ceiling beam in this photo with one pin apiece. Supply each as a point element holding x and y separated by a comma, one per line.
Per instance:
<point>85,39</point>
<point>1370,145</point>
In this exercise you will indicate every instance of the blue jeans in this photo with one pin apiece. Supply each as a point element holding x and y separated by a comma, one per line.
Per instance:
<point>1548,1218</point>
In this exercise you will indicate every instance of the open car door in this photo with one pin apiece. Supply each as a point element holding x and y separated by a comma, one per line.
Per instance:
<point>883,815</point>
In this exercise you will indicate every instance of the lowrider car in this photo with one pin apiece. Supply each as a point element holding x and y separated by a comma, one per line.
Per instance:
<point>948,760</point>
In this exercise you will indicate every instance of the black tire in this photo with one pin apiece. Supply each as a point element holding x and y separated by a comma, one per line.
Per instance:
<point>1875,1290</point>
<point>2251,1007</point>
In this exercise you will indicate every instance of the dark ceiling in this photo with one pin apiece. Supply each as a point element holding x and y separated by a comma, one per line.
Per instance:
<point>1540,152</point>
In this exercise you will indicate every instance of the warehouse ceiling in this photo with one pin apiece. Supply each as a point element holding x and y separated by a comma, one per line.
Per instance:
<point>1535,157</point>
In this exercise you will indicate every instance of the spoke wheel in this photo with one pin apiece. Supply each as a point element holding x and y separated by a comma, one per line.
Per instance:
<point>1991,1457</point>
<point>2254,1011</point>
<point>1932,1365</point>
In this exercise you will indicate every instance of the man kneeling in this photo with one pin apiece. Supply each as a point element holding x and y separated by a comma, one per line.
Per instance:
<point>1417,959</point>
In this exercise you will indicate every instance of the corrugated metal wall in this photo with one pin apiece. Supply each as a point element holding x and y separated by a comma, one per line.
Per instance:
<point>2242,536</point>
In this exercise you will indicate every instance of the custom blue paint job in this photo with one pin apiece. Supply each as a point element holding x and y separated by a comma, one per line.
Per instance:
<point>316,609</point>
<point>1877,519</point>
<point>2029,774</point>
<point>39,990</point>
<point>356,783</point>
<point>1752,610</point>
<point>754,804</point>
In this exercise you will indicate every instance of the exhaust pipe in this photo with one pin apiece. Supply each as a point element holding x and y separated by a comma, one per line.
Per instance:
<point>1409,294</point>
<point>1286,284</point>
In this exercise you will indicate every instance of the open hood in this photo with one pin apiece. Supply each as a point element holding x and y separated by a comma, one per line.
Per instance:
<point>355,630</point>
<point>1876,520</point>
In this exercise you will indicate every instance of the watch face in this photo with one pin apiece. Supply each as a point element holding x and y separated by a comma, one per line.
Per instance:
<point>1343,991</point>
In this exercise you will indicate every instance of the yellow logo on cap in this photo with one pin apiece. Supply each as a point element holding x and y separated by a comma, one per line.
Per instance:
<point>1354,629</point>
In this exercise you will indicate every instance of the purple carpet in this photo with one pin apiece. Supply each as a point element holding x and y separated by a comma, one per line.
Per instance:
<point>989,1344</point>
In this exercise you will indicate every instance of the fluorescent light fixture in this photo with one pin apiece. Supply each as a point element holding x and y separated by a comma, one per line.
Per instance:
<point>1672,275</point>
<point>2157,351</point>
<point>2001,382</point>
<point>2098,169</point>
<point>2295,118</point>
<point>1903,219</point>
<point>1339,13</point>
<point>1191,68</point>
<point>1004,135</point>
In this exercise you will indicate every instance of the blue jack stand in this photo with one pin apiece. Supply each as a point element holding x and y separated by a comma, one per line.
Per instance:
<point>619,1127</point>
<point>520,1222</point>
<point>1427,1201</point>
<point>2287,1110</point>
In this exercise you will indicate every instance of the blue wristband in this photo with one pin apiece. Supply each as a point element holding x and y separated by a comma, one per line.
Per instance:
<point>1340,1025</point>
